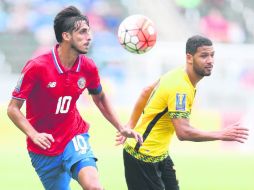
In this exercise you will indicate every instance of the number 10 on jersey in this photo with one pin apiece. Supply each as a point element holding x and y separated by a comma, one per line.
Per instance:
<point>63,104</point>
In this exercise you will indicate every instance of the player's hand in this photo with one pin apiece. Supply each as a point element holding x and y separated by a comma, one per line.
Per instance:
<point>127,132</point>
<point>43,140</point>
<point>235,133</point>
<point>120,139</point>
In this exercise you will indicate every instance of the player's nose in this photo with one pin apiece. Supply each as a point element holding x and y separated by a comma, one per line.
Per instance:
<point>210,60</point>
<point>89,36</point>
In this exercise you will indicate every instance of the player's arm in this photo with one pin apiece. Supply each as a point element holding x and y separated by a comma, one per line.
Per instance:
<point>104,106</point>
<point>185,132</point>
<point>137,110</point>
<point>140,104</point>
<point>43,140</point>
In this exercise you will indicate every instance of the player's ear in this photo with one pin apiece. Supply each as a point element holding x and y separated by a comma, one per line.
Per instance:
<point>66,36</point>
<point>189,58</point>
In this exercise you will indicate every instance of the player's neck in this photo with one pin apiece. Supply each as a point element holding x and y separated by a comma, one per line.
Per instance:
<point>194,78</point>
<point>67,57</point>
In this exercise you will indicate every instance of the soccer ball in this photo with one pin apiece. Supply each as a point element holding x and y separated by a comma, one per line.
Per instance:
<point>137,34</point>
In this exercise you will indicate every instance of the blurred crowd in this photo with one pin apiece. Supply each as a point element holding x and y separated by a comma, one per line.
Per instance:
<point>33,20</point>
<point>229,21</point>
<point>32,15</point>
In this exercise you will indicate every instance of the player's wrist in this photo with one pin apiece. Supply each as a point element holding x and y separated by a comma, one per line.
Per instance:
<point>31,134</point>
<point>218,135</point>
<point>117,125</point>
<point>121,129</point>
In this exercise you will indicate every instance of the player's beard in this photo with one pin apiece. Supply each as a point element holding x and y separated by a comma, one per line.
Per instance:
<point>201,71</point>
<point>78,50</point>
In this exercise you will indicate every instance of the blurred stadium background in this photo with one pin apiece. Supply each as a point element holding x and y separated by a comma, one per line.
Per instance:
<point>26,30</point>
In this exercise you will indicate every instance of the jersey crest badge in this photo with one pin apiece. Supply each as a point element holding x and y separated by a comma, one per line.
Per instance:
<point>180,101</point>
<point>17,88</point>
<point>81,82</point>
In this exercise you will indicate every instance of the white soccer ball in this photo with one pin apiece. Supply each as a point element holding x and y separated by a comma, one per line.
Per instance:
<point>137,34</point>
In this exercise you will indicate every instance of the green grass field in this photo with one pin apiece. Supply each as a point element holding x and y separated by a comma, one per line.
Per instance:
<point>200,166</point>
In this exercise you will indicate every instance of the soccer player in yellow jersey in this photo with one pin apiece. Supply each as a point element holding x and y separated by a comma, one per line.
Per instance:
<point>166,107</point>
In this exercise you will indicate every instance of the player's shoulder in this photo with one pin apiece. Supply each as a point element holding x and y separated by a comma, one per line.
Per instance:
<point>87,63</point>
<point>175,79</point>
<point>39,61</point>
<point>174,76</point>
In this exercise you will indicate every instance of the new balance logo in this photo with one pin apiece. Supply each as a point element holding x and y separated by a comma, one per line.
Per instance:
<point>51,85</point>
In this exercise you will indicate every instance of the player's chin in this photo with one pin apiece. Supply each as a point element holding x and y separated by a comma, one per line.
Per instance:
<point>207,74</point>
<point>83,51</point>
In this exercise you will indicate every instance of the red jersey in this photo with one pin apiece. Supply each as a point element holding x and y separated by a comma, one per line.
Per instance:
<point>51,92</point>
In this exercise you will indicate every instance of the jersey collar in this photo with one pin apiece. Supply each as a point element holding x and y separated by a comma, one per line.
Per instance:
<point>59,67</point>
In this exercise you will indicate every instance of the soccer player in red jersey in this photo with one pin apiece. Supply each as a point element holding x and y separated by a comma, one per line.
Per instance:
<point>57,136</point>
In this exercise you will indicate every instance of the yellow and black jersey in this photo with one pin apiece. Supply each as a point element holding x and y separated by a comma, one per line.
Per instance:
<point>172,98</point>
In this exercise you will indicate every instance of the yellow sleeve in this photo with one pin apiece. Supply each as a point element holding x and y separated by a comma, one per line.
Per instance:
<point>179,103</point>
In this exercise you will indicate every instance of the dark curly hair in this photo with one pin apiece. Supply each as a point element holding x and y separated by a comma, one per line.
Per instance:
<point>194,42</point>
<point>66,21</point>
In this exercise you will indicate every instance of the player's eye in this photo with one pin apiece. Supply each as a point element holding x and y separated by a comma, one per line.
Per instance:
<point>83,31</point>
<point>204,55</point>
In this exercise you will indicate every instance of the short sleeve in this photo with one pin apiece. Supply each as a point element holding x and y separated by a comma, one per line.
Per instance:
<point>26,82</point>
<point>93,80</point>
<point>179,104</point>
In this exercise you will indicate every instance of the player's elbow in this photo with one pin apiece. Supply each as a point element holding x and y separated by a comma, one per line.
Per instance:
<point>10,110</point>
<point>184,135</point>
<point>181,137</point>
<point>183,130</point>
<point>146,92</point>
